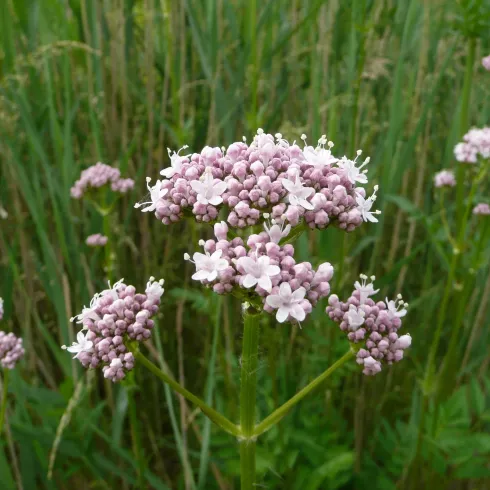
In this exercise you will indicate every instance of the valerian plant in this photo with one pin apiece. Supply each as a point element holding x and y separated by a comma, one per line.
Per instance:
<point>259,197</point>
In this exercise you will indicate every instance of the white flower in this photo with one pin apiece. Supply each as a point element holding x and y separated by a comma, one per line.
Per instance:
<point>207,266</point>
<point>154,289</point>
<point>318,157</point>
<point>88,313</point>
<point>276,232</point>
<point>354,174</point>
<point>297,193</point>
<point>156,194</point>
<point>209,189</point>
<point>355,317</point>
<point>365,289</point>
<point>258,271</point>
<point>404,342</point>
<point>287,303</point>
<point>394,308</point>
<point>175,163</point>
<point>113,290</point>
<point>3,213</point>
<point>364,206</point>
<point>82,345</point>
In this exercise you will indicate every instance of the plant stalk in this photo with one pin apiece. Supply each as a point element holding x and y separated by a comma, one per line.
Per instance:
<point>279,413</point>
<point>3,406</point>
<point>211,413</point>
<point>248,395</point>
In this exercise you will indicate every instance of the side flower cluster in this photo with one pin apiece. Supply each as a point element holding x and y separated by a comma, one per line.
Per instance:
<point>482,209</point>
<point>374,325</point>
<point>269,176</point>
<point>1,308</point>
<point>262,271</point>
<point>11,350</point>
<point>444,178</point>
<point>99,175</point>
<point>96,240</point>
<point>475,144</point>
<point>115,316</point>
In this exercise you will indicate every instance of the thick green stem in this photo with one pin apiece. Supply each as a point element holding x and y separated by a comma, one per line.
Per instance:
<point>3,407</point>
<point>211,413</point>
<point>247,464</point>
<point>248,394</point>
<point>279,413</point>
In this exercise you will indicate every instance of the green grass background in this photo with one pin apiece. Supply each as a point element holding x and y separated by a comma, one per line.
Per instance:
<point>120,81</point>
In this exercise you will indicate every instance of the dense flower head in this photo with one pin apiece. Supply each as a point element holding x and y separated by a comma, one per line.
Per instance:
<point>372,326</point>
<point>115,316</point>
<point>96,240</point>
<point>267,176</point>
<point>262,271</point>
<point>482,209</point>
<point>475,144</point>
<point>486,62</point>
<point>444,178</point>
<point>99,175</point>
<point>11,350</point>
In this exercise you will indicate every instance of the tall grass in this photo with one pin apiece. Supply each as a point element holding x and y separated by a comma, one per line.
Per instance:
<point>120,81</point>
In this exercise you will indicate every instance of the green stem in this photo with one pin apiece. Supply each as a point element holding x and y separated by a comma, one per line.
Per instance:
<point>135,436</point>
<point>108,246</point>
<point>248,394</point>
<point>464,123</point>
<point>3,407</point>
<point>211,413</point>
<point>247,464</point>
<point>279,413</point>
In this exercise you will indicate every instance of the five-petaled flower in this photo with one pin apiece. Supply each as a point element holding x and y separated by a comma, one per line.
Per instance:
<point>258,272</point>
<point>154,289</point>
<point>82,345</point>
<point>88,313</point>
<point>297,193</point>
<point>207,265</point>
<point>287,303</point>
<point>364,206</point>
<point>209,189</point>
<point>276,231</point>
<point>355,317</point>
<point>175,163</point>
<point>365,289</point>
<point>396,308</point>
<point>156,194</point>
<point>354,174</point>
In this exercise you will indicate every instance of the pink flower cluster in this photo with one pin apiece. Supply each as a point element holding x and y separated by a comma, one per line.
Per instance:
<point>11,350</point>
<point>114,316</point>
<point>482,209</point>
<point>96,240</point>
<point>476,143</point>
<point>374,324</point>
<point>486,62</point>
<point>1,308</point>
<point>444,178</point>
<point>99,175</point>
<point>262,271</point>
<point>269,175</point>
